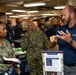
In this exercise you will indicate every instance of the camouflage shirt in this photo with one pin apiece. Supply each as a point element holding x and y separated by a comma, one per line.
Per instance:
<point>35,40</point>
<point>5,50</point>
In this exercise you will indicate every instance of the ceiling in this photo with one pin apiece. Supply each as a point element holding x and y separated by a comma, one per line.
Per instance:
<point>18,4</point>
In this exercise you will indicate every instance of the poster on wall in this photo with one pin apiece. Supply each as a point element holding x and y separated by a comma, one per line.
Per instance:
<point>52,62</point>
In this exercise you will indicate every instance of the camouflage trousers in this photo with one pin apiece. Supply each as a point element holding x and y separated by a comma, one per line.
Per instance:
<point>3,68</point>
<point>35,66</point>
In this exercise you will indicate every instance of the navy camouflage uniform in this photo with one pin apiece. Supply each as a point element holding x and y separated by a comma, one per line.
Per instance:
<point>5,50</point>
<point>34,42</point>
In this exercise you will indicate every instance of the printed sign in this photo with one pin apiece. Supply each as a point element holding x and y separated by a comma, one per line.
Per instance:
<point>52,62</point>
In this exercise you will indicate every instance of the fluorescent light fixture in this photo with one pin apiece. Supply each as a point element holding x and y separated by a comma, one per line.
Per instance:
<point>11,5</point>
<point>25,17</point>
<point>22,15</point>
<point>34,4</point>
<point>9,13</point>
<point>59,7</point>
<point>47,14</point>
<point>14,16</point>
<point>18,16</point>
<point>50,14</point>
<point>32,11</point>
<point>18,10</point>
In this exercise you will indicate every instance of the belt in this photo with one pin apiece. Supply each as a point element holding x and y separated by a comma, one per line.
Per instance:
<point>72,65</point>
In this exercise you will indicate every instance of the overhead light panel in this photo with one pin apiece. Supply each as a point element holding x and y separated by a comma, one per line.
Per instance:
<point>32,11</point>
<point>50,14</point>
<point>35,4</point>
<point>47,14</point>
<point>59,7</point>
<point>11,5</point>
<point>22,15</point>
<point>18,10</point>
<point>14,16</point>
<point>17,16</point>
<point>9,13</point>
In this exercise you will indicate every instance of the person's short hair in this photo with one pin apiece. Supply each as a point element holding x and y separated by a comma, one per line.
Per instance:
<point>42,18</point>
<point>31,25</point>
<point>2,14</point>
<point>47,18</point>
<point>31,17</point>
<point>71,9</point>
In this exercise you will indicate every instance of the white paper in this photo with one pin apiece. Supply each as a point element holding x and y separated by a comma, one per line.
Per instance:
<point>12,59</point>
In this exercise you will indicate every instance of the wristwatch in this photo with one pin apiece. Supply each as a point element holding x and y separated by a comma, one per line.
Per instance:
<point>71,41</point>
